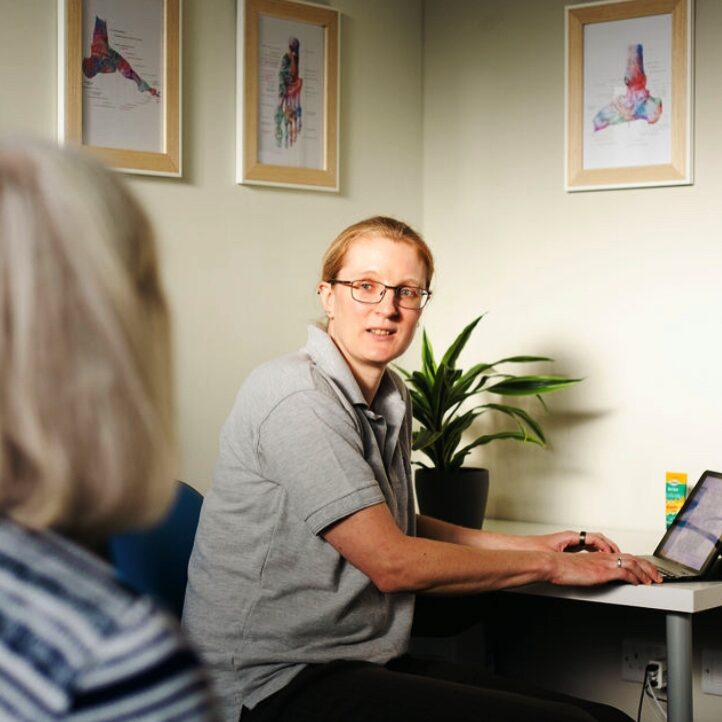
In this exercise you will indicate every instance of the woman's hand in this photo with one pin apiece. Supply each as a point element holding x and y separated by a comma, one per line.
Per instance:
<point>570,541</point>
<point>589,569</point>
<point>454,560</point>
<point>607,565</point>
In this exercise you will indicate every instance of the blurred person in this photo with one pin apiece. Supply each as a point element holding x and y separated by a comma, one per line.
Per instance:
<point>87,449</point>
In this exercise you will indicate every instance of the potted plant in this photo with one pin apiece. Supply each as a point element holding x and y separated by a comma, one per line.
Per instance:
<point>445,488</point>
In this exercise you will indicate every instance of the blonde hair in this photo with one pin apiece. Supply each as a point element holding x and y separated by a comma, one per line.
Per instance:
<point>384,226</point>
<point>86,422</point>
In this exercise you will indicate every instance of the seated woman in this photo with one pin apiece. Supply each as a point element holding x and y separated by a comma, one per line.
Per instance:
<point>87,448</point>
<point>309,553</point>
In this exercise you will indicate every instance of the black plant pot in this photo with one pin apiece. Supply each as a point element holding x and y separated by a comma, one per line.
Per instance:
<point>457,496</point>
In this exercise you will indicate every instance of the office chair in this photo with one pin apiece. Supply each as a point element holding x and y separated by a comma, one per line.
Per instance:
<point>155,561</point>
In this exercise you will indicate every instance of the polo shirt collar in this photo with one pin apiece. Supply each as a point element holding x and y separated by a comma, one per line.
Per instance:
<point>324,352</point>
<point>389,404</point>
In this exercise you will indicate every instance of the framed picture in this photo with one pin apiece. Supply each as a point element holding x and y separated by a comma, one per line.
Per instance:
<point>287,94</point>
<point>119,82</point>
<point>628,94</point>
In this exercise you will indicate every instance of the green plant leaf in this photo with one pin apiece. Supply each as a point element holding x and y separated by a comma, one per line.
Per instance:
<point>462,386</point>
<point>488,438</point>
<point>520,414</point>
<point>460,421</point>
<point>435,462</point>
<point>457,346</point>
<point>452,433</point>
<point>421,411</point>
<point>521,360</point>
<point>422,383</point>
<point>481,385</point>
<point>530,385</point>
<point>440,392</point>
<point>428,364</point>
<point>474,371</point>
<point>423,438</point>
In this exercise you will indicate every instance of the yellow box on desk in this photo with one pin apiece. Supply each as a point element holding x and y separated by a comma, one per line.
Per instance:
<point>675,493</point>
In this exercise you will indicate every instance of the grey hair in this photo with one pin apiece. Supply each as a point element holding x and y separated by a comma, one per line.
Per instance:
<point>86,410</point>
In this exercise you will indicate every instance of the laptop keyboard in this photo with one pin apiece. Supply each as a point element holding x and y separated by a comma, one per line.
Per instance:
<point>670,574</point>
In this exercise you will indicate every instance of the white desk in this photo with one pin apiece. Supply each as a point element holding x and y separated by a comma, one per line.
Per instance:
<point>678,601</point>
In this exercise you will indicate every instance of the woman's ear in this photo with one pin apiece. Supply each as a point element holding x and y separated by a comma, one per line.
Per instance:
<point>325,291</point>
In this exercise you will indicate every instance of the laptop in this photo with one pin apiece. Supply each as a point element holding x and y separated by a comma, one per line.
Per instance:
<point>692,544</point>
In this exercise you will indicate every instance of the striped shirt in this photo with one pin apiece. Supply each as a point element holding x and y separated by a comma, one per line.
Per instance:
<point>77,645</point>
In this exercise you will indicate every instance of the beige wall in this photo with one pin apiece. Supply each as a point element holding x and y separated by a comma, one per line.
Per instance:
<point>241,262</point>
<point>621,287</point>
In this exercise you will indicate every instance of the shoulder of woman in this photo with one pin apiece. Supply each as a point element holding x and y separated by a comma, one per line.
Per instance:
<point>279,377</point>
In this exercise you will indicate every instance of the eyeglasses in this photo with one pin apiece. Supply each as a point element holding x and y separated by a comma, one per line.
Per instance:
<point>373,291</point>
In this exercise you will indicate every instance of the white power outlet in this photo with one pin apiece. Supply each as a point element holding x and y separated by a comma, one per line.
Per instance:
<point>657,674</point>
<point>711,671</point>
<point>636,654</point>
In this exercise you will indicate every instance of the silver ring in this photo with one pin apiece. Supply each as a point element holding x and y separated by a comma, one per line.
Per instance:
<point>582,538</point>
<point>619,562</point>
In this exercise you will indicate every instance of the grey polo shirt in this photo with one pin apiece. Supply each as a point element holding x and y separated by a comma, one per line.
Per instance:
<point>266,594</point>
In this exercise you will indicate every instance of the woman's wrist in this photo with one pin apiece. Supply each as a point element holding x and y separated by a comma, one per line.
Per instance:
<point>504,542</point>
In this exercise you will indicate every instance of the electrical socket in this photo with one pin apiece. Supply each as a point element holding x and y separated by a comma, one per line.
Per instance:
<point>657,674</point>
<point>636,654</point>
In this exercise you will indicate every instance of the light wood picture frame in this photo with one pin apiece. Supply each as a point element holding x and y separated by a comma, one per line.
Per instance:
<point>119,89</point>
<point>628,94</point>
<point>287,90</point>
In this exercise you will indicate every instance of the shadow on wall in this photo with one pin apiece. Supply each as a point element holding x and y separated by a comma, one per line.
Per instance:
<point>529,482</point>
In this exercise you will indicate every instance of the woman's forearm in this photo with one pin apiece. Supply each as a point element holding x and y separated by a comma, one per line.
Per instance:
<point>430,528</point>
<point>396,562</point>
<point>432,566</point>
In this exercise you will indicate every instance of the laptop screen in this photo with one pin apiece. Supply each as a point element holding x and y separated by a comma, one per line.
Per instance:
<point>692,538</point>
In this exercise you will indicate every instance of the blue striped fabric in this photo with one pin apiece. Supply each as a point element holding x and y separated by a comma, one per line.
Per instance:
<point>76,645</point>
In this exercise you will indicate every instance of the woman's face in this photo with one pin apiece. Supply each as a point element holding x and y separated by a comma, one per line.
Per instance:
<point>371,335</point>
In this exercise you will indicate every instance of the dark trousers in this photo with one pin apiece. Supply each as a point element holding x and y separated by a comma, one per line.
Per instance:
<point>409,689</point>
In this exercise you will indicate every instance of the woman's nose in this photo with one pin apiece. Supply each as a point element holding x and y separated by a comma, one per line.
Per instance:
<point>387,305</point>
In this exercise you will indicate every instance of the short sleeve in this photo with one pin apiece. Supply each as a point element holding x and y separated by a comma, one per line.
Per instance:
<point>313,447</point>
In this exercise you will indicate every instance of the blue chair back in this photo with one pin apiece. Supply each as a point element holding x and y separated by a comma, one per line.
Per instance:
<point>155,561</point>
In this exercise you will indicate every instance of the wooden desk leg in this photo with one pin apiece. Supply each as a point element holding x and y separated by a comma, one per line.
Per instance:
<point>679,667</point>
